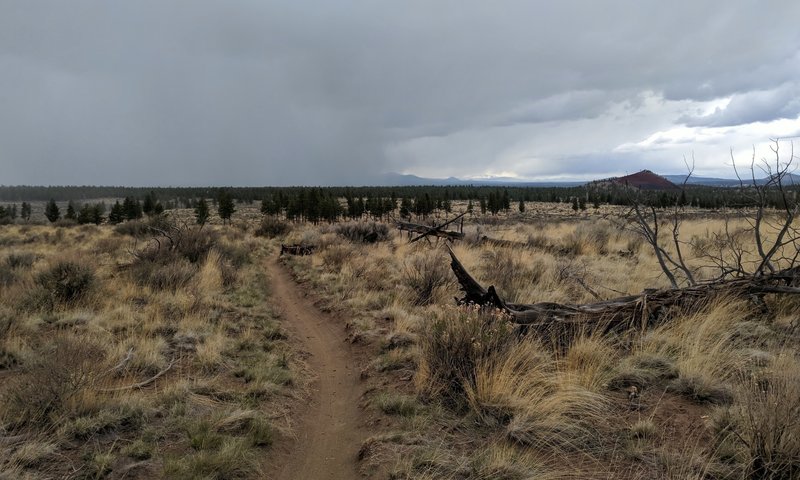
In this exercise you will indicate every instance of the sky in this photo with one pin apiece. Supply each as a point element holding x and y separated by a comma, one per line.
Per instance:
<point>257,92</point>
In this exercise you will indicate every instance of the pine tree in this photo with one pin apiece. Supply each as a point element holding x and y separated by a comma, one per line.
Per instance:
<point>470,207</point>
<point>25,211</point>
<point>51,211</point>
<point>149,205</point>
<point>97,213</point>
<point>85,214</point>
<point>575,204</point>
<point>132,208</point>
<point>70,215</point>
<point>521,206</point>
<point>117,214</point>
<point>201,212</point>
<point>483,205</point>
<point>225,206</point>
<point>405,208</point>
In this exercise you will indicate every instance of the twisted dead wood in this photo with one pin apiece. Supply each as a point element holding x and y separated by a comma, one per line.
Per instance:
<point>621,313</point>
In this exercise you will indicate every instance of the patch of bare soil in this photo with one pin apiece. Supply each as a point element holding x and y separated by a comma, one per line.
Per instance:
<point>328,433</point>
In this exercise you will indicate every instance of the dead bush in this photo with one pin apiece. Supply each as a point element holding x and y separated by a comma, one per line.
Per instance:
<point>192,244</point>
<point>272,227</point>
<point>453,345</point>
<point>53,384</point>
<point>364,232</point>
<point>425,274</point>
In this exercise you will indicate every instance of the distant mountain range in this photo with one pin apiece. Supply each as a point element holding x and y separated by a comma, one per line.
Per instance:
<point>727,182</point>
<point>645,179</point>
<point>403,180</point>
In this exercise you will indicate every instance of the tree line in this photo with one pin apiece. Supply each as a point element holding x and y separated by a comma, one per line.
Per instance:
<point>330,204</point>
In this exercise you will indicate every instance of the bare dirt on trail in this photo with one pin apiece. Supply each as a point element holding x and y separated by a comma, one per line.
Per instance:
<point>327,434</point>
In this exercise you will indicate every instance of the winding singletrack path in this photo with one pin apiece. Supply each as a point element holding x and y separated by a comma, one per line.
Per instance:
<point>327,434</point>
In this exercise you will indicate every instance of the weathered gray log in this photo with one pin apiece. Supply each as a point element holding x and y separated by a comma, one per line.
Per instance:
<point>298,249</point>
<point>621,313</point>
<point>422,229</point>
<point>438,231</point>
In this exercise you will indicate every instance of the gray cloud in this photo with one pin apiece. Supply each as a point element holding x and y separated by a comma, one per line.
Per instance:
<point>752,106</point>
<point>206,92</point>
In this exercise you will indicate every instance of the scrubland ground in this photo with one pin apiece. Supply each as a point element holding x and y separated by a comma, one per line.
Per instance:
<point>711,392</point>
<point>125,357</point>
<point>122,356</point>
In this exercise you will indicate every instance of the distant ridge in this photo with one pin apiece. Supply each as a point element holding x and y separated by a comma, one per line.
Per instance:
<point>399,179</point>
<point>645,180</point>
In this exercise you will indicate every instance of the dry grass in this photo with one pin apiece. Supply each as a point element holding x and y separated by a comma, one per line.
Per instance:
<point>567,412</point>
<point>77,334</point>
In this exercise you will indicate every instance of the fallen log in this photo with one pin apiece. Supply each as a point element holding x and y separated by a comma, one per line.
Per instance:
<point>622,313</point>
<point>437,231</point>
<point>297,249</point>
<point>428,231</point>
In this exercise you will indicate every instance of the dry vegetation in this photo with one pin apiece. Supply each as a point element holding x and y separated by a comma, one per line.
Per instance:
<point>121,356</point>
<point>710,392</point>
<point>132,354</point>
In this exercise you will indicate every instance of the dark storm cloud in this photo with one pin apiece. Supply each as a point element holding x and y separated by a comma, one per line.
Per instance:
<point>259,92</point>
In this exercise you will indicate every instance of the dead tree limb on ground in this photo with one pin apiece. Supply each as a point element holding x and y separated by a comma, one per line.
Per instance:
<point>437,231</point>
<point>618,314</point>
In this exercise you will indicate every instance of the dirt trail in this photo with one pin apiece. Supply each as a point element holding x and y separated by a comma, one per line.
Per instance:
<point>328,434</point>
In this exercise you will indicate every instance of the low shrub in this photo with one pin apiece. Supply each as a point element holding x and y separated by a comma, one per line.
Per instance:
<point>66,281</point>
<point>762,427</point>
<point>171,276</point>
<point>272,227</point>
<point>53,384</point>
<point>588,238</point>
<point>453,345</point>
<point>134,228</point>
<point>20,260</point>
<point>425,274</point>
<point>364,232</point>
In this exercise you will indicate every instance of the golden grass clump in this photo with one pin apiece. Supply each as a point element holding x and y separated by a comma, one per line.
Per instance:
<point>107,364</point>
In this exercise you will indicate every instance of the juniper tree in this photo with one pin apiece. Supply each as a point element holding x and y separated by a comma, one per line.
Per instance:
<point>25,211</point>
<point>201,212</point>
<point>51,211</point>
<point>117,214</point>
<point>225,206</point>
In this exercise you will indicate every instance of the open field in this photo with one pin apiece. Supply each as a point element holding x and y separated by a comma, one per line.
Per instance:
<point>125,357</point>
<point>169,363</point>
<point>711,392</point>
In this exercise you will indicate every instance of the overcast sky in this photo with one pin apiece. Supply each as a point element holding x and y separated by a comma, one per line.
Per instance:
<point>255,92</point>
